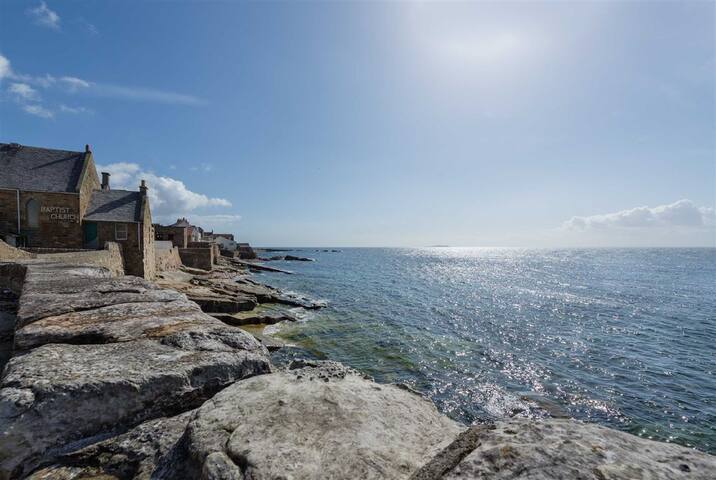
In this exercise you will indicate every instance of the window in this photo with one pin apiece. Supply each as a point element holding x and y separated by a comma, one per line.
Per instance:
<point>120,231</point>
<point>33,213</point>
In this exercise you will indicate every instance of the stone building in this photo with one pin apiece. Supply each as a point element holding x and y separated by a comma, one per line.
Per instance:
<point>195,233</point>
<point>178,236</point>
<point>52,200</point>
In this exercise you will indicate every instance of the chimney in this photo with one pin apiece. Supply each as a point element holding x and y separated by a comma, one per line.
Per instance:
<point>105,181</point>
<point>87,149</point>
<point>143,188</point>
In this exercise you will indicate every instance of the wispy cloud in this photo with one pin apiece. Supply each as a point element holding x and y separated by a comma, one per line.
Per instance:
<point>38,111</point>
<point>145,94</point>
<point>90,27</point>
<point>43,16</point>
<point>73,83</point>
<point>23,91</point>
<point>74,110</point>
<point>683,213</point>
<point>5,70</point>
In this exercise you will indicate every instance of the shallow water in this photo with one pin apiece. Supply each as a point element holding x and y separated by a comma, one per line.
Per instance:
<point>622,337</point>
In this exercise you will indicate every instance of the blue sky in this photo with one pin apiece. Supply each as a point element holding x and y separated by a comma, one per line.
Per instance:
<point>383,124</point>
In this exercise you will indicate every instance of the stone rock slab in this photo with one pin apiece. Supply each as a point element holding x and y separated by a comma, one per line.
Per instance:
<point>563,449</point>
<point>318,420</point>
<point>58,394</point>
<point>137,454</point>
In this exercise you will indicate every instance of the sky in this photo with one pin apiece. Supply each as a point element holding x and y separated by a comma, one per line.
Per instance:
<point>539,124</point>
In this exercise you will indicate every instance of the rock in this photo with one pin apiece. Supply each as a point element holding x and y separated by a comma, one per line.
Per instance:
<point>225,304</point>
<point>254,318</point>
<point>136,454</point>
<point>58,394</point>
<point>114,323</point>
<point>316,420</point>
<point>105,354</point>
<point>559,448</point>
<point>43,297</point>
<point>292,258</point>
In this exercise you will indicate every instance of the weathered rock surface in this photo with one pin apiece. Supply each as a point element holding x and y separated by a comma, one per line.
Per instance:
<point>104,354</point>
<point>224,304</point>
<point>136,454</point>
<point>562,449</point>
<point>113,323</point>
<point>254,318</point>
<point>318,420</point>
<point>52,290</point>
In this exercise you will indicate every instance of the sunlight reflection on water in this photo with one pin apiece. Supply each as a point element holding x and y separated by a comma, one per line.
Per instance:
<point>618,336</point>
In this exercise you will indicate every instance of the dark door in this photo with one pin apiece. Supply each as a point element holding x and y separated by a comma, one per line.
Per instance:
<point>90,234</point>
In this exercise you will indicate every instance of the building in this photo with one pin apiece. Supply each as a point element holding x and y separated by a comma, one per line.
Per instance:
<point>195,233</point>
<point>178,236</point>
<point>52,200</point>
<point>225,241</point>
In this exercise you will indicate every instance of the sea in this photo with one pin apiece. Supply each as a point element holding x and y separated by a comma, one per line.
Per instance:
<point>620,337</point>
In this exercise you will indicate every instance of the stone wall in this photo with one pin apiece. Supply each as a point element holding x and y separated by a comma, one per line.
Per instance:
<point>11,253</point>
<point>202,258</point>
<point>131,247</point>
<point>167,259</point>
<point>110,258</point>
<point>147,242</point>
<point>88,182</point>
<point>179,236</point>
<point>59,218</point>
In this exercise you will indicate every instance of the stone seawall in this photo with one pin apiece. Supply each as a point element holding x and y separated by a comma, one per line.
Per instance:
<point>115,377</point>
<point>167,259</point>
<point>202,258</point>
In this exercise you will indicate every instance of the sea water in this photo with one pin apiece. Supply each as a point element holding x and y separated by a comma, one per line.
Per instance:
<point>620,337</point>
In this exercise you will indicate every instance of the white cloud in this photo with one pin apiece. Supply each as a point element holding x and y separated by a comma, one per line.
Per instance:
<point>5,70</point>
<point>683,213</point>
<point>42,15</point>
<point>74,110</point>
<point>90,27</point>
<point>38,111</point>
<point>145,94</point>
<point>23,91</point>
<point>73,83</point>
<point>170,198</point>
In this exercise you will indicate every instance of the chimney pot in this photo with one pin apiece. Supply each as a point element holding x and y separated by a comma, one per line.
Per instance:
<point>87,148</point>
<point>105,181</point>
<point>143,187</point>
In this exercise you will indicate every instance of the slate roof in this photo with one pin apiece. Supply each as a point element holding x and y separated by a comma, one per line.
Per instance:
<point>39,169</point>
<point>181,222</point>
<point>114,206</point>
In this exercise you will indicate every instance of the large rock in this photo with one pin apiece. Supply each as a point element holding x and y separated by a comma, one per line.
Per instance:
<point>562,449</point>
<point>137,454</point>
<point>52,290</point>
<point>318,420</point>
<point>98,355</point>
<point>58,394</point>
<point>114,323</point>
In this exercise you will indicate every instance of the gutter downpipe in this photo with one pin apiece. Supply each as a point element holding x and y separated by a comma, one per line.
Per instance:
<point>17,192</point>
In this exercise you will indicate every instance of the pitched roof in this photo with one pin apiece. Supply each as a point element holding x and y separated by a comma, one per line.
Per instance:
<point>39,169</point>
<point>114,206</point>
<point>181,222</point>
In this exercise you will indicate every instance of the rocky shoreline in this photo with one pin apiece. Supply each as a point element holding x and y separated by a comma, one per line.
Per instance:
<point>121,378</point>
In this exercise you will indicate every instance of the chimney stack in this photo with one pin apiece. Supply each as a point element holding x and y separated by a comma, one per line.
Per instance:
<point>105,181</point>
<point>143,188</point>
<point>87,148</point>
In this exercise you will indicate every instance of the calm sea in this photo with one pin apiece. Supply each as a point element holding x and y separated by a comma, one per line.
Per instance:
<point>622,337</point>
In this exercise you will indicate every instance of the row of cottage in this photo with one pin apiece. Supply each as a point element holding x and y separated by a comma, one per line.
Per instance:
<point>53,200</point>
